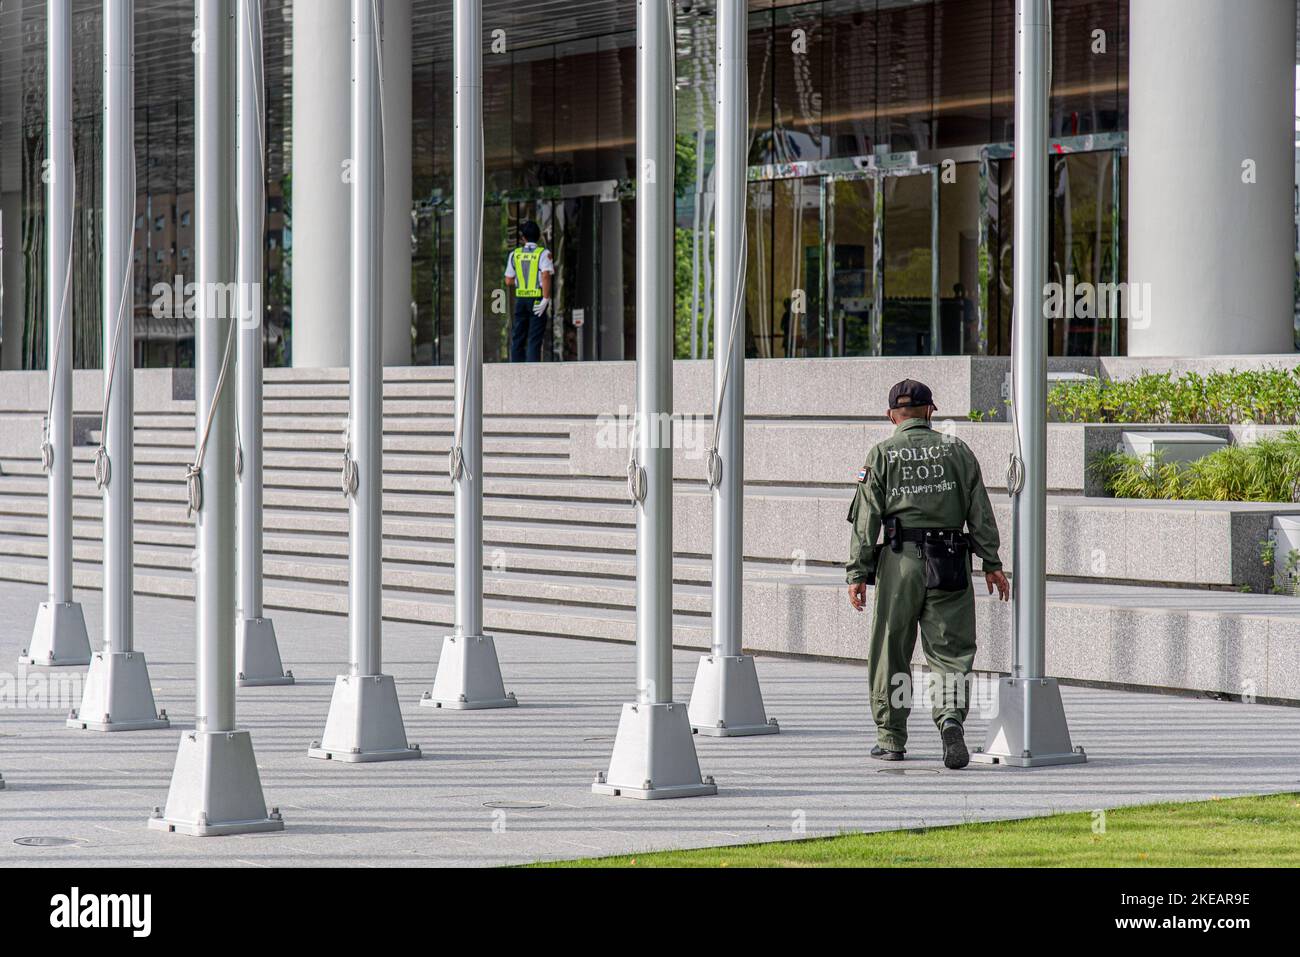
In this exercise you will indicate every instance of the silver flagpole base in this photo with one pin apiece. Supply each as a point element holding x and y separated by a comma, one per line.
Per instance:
<point>654,756</point>
<point>468,676</point>
<point>257,655</point>
<point>59,638</point>
<point>118,696</point>
<point>1005,742</point>
<point>364,723</point>
<point>726,701</point>
<point>215,788</point>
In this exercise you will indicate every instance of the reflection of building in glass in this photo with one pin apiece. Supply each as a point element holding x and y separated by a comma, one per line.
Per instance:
<point>880,196</point>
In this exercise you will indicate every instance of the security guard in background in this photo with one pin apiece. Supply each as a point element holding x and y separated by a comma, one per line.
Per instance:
<point>530,270</point>
<point>924,489</point>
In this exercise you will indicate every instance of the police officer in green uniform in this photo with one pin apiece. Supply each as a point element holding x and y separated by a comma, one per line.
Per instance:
<point>923,490</point>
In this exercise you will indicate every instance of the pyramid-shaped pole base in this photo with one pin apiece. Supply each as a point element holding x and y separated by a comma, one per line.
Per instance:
<point>654,756</point>
<point>215,788</point>
<point>1005,742</point>
<point>468,676</point>
<point>59,638</point>
<point>726,701</point>
<point>118,696</point>
<point>364,723</point>
<point>257,655</point>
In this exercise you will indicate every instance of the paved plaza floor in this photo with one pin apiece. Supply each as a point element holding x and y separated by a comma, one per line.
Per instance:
<point>512,786</point>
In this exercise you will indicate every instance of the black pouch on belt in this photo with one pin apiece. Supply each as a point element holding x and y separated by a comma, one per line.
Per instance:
<point>947,560</point>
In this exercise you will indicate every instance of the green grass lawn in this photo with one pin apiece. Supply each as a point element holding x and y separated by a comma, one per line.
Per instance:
<point>1236,832</point>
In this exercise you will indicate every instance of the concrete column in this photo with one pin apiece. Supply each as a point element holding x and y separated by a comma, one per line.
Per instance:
<point>654,751</point>
<point>59,637</point>
<point>118,694</point>
<point>214,234</point>
<point>322,89</point>
<point>726,700</point>
<point>321,92</point>
<point>1029,728</point>
<point>365,719</point>
<point>366,389</point>
<point>257,653</point>
<point>1211,173</point>
<point>655,128</point>
<point>469,674</point>
<point>215,786</point>
<point>118,328</point>
<point>60,218</point>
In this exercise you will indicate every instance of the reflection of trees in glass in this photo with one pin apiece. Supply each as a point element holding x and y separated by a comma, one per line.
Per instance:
<point>1083,243</point>
<point>683,250</point>
<point>279,279</point>
<point>908,274</point>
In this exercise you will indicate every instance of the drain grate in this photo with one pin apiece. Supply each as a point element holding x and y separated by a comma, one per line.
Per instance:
<point>46,841</point>
<point>907,770</point>
<point>516,805</point>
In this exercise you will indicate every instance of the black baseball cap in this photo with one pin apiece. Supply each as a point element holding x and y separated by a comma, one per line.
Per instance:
<point>909,394</point>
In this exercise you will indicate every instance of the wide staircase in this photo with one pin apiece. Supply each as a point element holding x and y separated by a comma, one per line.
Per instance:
<point>1142,594</point>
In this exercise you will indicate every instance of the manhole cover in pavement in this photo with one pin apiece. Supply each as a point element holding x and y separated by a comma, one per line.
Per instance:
<point>516,805</point>
<point>45,841</point>
<point>907,770</point>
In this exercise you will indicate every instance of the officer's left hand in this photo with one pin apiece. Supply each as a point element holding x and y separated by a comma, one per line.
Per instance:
<point>998,580</point>
<point>858,596</point>
<point>540,308</point>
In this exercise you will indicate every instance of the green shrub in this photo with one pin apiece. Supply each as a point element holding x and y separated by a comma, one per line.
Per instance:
<point>1263,396</point>
<point>1264,471</point>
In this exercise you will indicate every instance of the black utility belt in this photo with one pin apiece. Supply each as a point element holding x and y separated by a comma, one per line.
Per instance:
<point>946,552</point>
<point>921,535</point>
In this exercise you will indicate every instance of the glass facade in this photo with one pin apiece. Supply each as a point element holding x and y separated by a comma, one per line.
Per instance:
<point>164,144</point>
<point>880,180</point>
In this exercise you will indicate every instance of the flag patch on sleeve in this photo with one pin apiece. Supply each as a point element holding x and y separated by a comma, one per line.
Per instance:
<point>862,474</point>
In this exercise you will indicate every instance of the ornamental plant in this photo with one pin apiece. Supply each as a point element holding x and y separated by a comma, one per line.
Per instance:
<point>1267,470</point>
<point>1269,396</point>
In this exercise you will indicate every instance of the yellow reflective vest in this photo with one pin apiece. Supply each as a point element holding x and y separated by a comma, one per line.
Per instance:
<point>528,279</point>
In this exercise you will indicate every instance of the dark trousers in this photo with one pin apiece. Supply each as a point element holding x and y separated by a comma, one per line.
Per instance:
<point>947,623</point>
<point>526,327</point>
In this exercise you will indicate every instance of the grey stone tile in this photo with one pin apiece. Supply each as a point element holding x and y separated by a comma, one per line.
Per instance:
<point>812,779</point>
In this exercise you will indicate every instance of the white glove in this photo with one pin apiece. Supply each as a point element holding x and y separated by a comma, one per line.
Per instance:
<point>541,307</point>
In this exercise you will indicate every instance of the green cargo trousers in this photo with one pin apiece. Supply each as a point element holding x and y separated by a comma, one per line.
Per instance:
<point>947,620</point>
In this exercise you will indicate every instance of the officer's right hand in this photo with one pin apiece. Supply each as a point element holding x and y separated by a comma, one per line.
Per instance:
<point>858,596</point>
<point>998,580</point>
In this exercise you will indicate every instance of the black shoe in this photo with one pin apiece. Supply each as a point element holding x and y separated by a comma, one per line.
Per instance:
<point>880,754</point>
<point>955,755</point>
